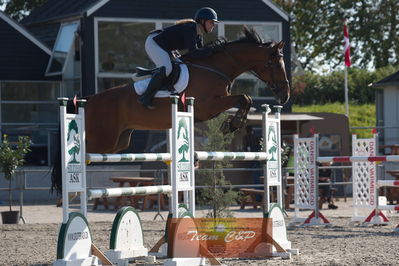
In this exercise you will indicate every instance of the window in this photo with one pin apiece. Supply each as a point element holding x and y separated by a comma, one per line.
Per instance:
<point>62,48</point>
<point>120,48</point>
<point>30,109</point>
<point>121,45</point>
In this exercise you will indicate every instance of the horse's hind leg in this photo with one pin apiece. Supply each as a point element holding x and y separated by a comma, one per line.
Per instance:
<point>124,140</point>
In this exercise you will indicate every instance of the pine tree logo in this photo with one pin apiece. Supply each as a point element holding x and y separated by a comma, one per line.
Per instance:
<point>75,149</point>
<point>182,132</point>
<point>272,140</point>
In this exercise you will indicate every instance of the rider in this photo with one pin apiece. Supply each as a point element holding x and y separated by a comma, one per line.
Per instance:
<point>185,34</point>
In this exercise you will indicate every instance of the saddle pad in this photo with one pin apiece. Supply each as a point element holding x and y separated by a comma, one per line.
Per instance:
<point>141,85</point>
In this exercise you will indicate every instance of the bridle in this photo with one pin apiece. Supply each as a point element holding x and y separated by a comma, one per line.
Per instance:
<point>271,64</point>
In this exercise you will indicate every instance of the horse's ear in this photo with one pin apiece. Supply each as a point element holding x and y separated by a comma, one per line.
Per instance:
<point>280,45</point>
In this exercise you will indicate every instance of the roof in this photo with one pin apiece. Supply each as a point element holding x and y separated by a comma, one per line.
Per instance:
<point>391,80</point>
<point>54,10</point>
<point>58,10</point>
<point>277,9</point>
<point>23,56</point>
<point>24,32</point>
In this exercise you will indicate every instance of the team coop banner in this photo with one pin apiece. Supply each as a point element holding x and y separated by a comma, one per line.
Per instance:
<point>221,237</point>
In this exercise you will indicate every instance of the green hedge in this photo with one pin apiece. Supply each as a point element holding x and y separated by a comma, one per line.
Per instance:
<point>313,88</point>
<point>360,115</point>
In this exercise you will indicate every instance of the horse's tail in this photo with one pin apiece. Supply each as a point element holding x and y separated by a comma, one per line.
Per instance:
<point>56,171</point>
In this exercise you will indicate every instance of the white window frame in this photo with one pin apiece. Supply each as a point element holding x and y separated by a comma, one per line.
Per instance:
<point>69,54</point>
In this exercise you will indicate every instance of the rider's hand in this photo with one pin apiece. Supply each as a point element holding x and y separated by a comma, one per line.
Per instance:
<point>176,54</point>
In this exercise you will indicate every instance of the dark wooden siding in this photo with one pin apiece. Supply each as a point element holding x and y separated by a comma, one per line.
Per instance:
<point>88,55</point>
<point>20,58</point>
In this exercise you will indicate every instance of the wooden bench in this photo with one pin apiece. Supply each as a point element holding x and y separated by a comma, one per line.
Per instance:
<point>249,197</point>
<point>392,193</point>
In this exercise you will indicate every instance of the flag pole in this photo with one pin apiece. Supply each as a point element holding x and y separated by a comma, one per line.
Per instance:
<point>347,64</point>
<point>346,91</point>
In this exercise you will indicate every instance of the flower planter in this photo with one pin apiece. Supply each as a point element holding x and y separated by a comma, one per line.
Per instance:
<point>10,217</point>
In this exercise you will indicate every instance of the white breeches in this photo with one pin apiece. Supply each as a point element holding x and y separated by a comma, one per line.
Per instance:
<point>158,55</point>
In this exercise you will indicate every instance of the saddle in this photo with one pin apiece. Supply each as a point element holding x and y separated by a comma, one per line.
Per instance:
<point>167,83</point>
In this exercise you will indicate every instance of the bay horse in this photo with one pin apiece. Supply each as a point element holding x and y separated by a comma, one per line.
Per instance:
<point>113,114</point>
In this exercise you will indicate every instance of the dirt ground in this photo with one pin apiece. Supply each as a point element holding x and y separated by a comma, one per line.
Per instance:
<point>34,243</point>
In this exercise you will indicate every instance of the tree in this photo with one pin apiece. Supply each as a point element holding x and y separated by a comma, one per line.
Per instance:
<point>317,31</point>
<point>11,158</point>
<point>184,147</point>
<point>18,9</point>
<point>216,195</point>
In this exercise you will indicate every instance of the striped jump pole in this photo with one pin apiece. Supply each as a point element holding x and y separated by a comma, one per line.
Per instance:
<point>127,157</point>
<point>231,156</point>
<point>127,191</point>
<point>352,159</point>
<point>388,183</point>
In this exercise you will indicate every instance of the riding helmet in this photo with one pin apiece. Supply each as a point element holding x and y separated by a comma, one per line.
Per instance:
<point>206,13</point>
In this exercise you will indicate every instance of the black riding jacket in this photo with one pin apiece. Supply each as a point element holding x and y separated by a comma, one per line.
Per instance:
<point>180,37</point>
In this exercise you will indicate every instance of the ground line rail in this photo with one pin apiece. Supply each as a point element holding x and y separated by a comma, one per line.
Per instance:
<point>349,159</point>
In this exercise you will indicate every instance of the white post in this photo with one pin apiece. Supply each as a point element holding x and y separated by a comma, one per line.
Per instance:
<point>316,175</point>
<point>73,161</point>
<point>279,171</point>
<point>266,196</point>
<point>182,146</point>
<point>83,193</point>
<point>175,192</point>
<point>65,199</point>
<point>191,192</point>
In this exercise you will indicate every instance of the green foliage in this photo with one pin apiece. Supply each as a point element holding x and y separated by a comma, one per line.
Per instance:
<point>219,199</point>
<point>359,115</point>
<point>321,89</point>
<point>317,31</point>
<point>18,9</point>
<point>11,159</point>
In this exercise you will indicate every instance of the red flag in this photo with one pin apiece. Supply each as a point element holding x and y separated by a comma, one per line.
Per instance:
<point>347,47</point>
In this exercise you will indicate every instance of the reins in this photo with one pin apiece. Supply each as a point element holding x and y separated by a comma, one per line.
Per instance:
<point>224,76</point>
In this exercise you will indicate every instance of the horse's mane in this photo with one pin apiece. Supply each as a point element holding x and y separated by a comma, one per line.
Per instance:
<point>249,36</point>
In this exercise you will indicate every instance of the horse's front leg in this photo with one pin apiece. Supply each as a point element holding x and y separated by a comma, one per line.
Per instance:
<point>211,107</point>
<point>240,117</point>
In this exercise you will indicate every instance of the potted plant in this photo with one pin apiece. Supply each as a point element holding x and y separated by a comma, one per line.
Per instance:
<point>10,159</point>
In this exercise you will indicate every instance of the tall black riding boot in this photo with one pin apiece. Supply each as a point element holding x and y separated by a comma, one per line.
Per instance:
<point>153,86</point>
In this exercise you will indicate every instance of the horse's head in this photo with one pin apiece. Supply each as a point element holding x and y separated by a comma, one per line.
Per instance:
<point>271,70</point>
<point>265,61</point>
